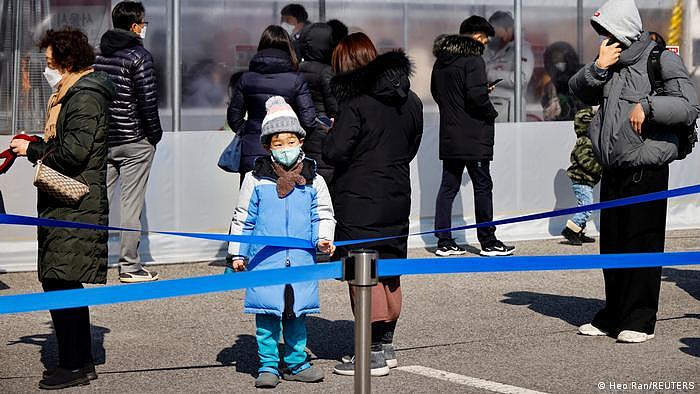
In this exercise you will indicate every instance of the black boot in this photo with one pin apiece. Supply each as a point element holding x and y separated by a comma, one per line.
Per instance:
<point>571,233</point>
<point>585,238</point>
<point>64,378</point>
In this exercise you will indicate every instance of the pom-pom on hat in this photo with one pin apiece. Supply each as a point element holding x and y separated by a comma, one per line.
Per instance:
<point>280,118</point>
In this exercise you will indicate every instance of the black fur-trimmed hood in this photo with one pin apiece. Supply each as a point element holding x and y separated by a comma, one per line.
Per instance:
<point>385,78</point>
<point>454,45</point>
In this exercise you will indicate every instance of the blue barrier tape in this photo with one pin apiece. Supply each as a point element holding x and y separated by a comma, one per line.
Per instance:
<point>306,244</point>
<point>165,288</point>
<point>285,242</point>
<point>642,198</point>
<point>392,267</point>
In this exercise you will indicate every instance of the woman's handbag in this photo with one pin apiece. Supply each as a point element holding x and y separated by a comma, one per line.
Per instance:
<point>59,186</point>
<point>230,159</point>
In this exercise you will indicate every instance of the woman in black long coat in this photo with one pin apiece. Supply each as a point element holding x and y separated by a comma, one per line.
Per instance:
<point>376,134</point>
<point>272,72</point>
<point>74,144</point>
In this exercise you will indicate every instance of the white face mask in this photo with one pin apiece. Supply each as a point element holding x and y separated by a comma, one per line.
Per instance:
<point>53,77</point>
<point>289,28</point>
<point>561,66</point>
<point>143,32</point>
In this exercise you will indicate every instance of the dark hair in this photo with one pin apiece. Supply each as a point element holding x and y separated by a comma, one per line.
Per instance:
<point>277,38</point>
<point>233,81</point>
<point>353,52</point>
<point>502,19</point>
<point>297,11</point>
<point>658,38</point>
<point>126,13</point>
<point>70,49</point>
<point>340,31</point>
<point>476,24</point>
<point>561,52</point>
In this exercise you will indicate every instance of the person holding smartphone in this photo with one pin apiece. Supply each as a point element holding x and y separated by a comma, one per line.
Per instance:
<point>461,89</point>
<point>634,136</point>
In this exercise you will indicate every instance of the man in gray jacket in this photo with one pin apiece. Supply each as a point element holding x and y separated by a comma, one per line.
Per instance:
<point>634,138</point>
<point>500,64</point>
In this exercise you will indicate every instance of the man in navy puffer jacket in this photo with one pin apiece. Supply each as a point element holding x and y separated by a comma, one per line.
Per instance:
<point>134,126</point>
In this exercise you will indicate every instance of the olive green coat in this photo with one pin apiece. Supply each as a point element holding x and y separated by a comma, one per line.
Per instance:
<point>79,151</point>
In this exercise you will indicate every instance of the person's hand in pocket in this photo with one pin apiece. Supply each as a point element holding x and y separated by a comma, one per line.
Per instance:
<point>637,118</point>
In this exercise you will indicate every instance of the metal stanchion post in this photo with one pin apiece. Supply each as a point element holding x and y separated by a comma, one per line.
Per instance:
<point>360,270</point>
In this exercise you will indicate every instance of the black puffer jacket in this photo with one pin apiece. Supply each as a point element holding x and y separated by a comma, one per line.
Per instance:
<point>80,152</point>
<point>376,135</point>
<point>271,74</point>
<point>134,113</point>
<point>459,87</point>
<point>316,44</point>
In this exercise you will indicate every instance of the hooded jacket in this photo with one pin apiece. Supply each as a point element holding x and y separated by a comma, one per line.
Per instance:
<point>376,134</point>
<point>316,44</point>
<point>270,74</point>
<point>79,151</point>
<point>619,88</point>
<point>134,112</point>
<point>459,86</point>
<point>305,213</point>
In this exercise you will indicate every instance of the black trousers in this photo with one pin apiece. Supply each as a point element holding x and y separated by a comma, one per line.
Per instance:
<point>480,175</point>
<point>632,294</point>
<point>72,327</point>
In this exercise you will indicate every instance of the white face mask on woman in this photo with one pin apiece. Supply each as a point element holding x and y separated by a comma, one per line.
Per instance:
<point>53,77</point>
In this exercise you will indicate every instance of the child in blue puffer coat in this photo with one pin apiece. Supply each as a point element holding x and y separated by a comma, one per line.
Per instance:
<point>282,196</point>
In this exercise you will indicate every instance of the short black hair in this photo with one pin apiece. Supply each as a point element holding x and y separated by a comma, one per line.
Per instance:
<point>126,13</point>
<point>70,49</point>
<point>658,38</point>
<point>340,31</point>
<point>297,11</point>
<point>476,24</point>
<point>502,19</point>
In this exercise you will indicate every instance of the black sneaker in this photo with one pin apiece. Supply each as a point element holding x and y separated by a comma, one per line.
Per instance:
<point>378,366</point>
<point>572,237</point>
<point>497,248</point>
<point>448,247</point>
<point>63,378</point>
<point>141,275</point>
<point>89,370</point>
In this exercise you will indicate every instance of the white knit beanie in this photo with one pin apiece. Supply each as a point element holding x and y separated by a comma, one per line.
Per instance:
<point>280,118</point>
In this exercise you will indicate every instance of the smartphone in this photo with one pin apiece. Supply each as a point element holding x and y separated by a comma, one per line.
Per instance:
<point>496,82</point>
<point>611,41</point>
<point>324,121</point>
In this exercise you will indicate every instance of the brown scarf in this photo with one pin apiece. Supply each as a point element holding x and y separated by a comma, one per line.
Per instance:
<point>67,81</point>
<point>287,180</point>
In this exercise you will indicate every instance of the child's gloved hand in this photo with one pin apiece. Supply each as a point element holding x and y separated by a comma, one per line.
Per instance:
<point>326,246</point>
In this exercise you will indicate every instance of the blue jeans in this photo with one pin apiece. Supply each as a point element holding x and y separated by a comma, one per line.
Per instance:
<point>267,334</point>
<point>584,196</point>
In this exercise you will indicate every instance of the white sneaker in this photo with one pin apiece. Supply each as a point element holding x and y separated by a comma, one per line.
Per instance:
<point>629,336</point>
<point>591,330</point>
